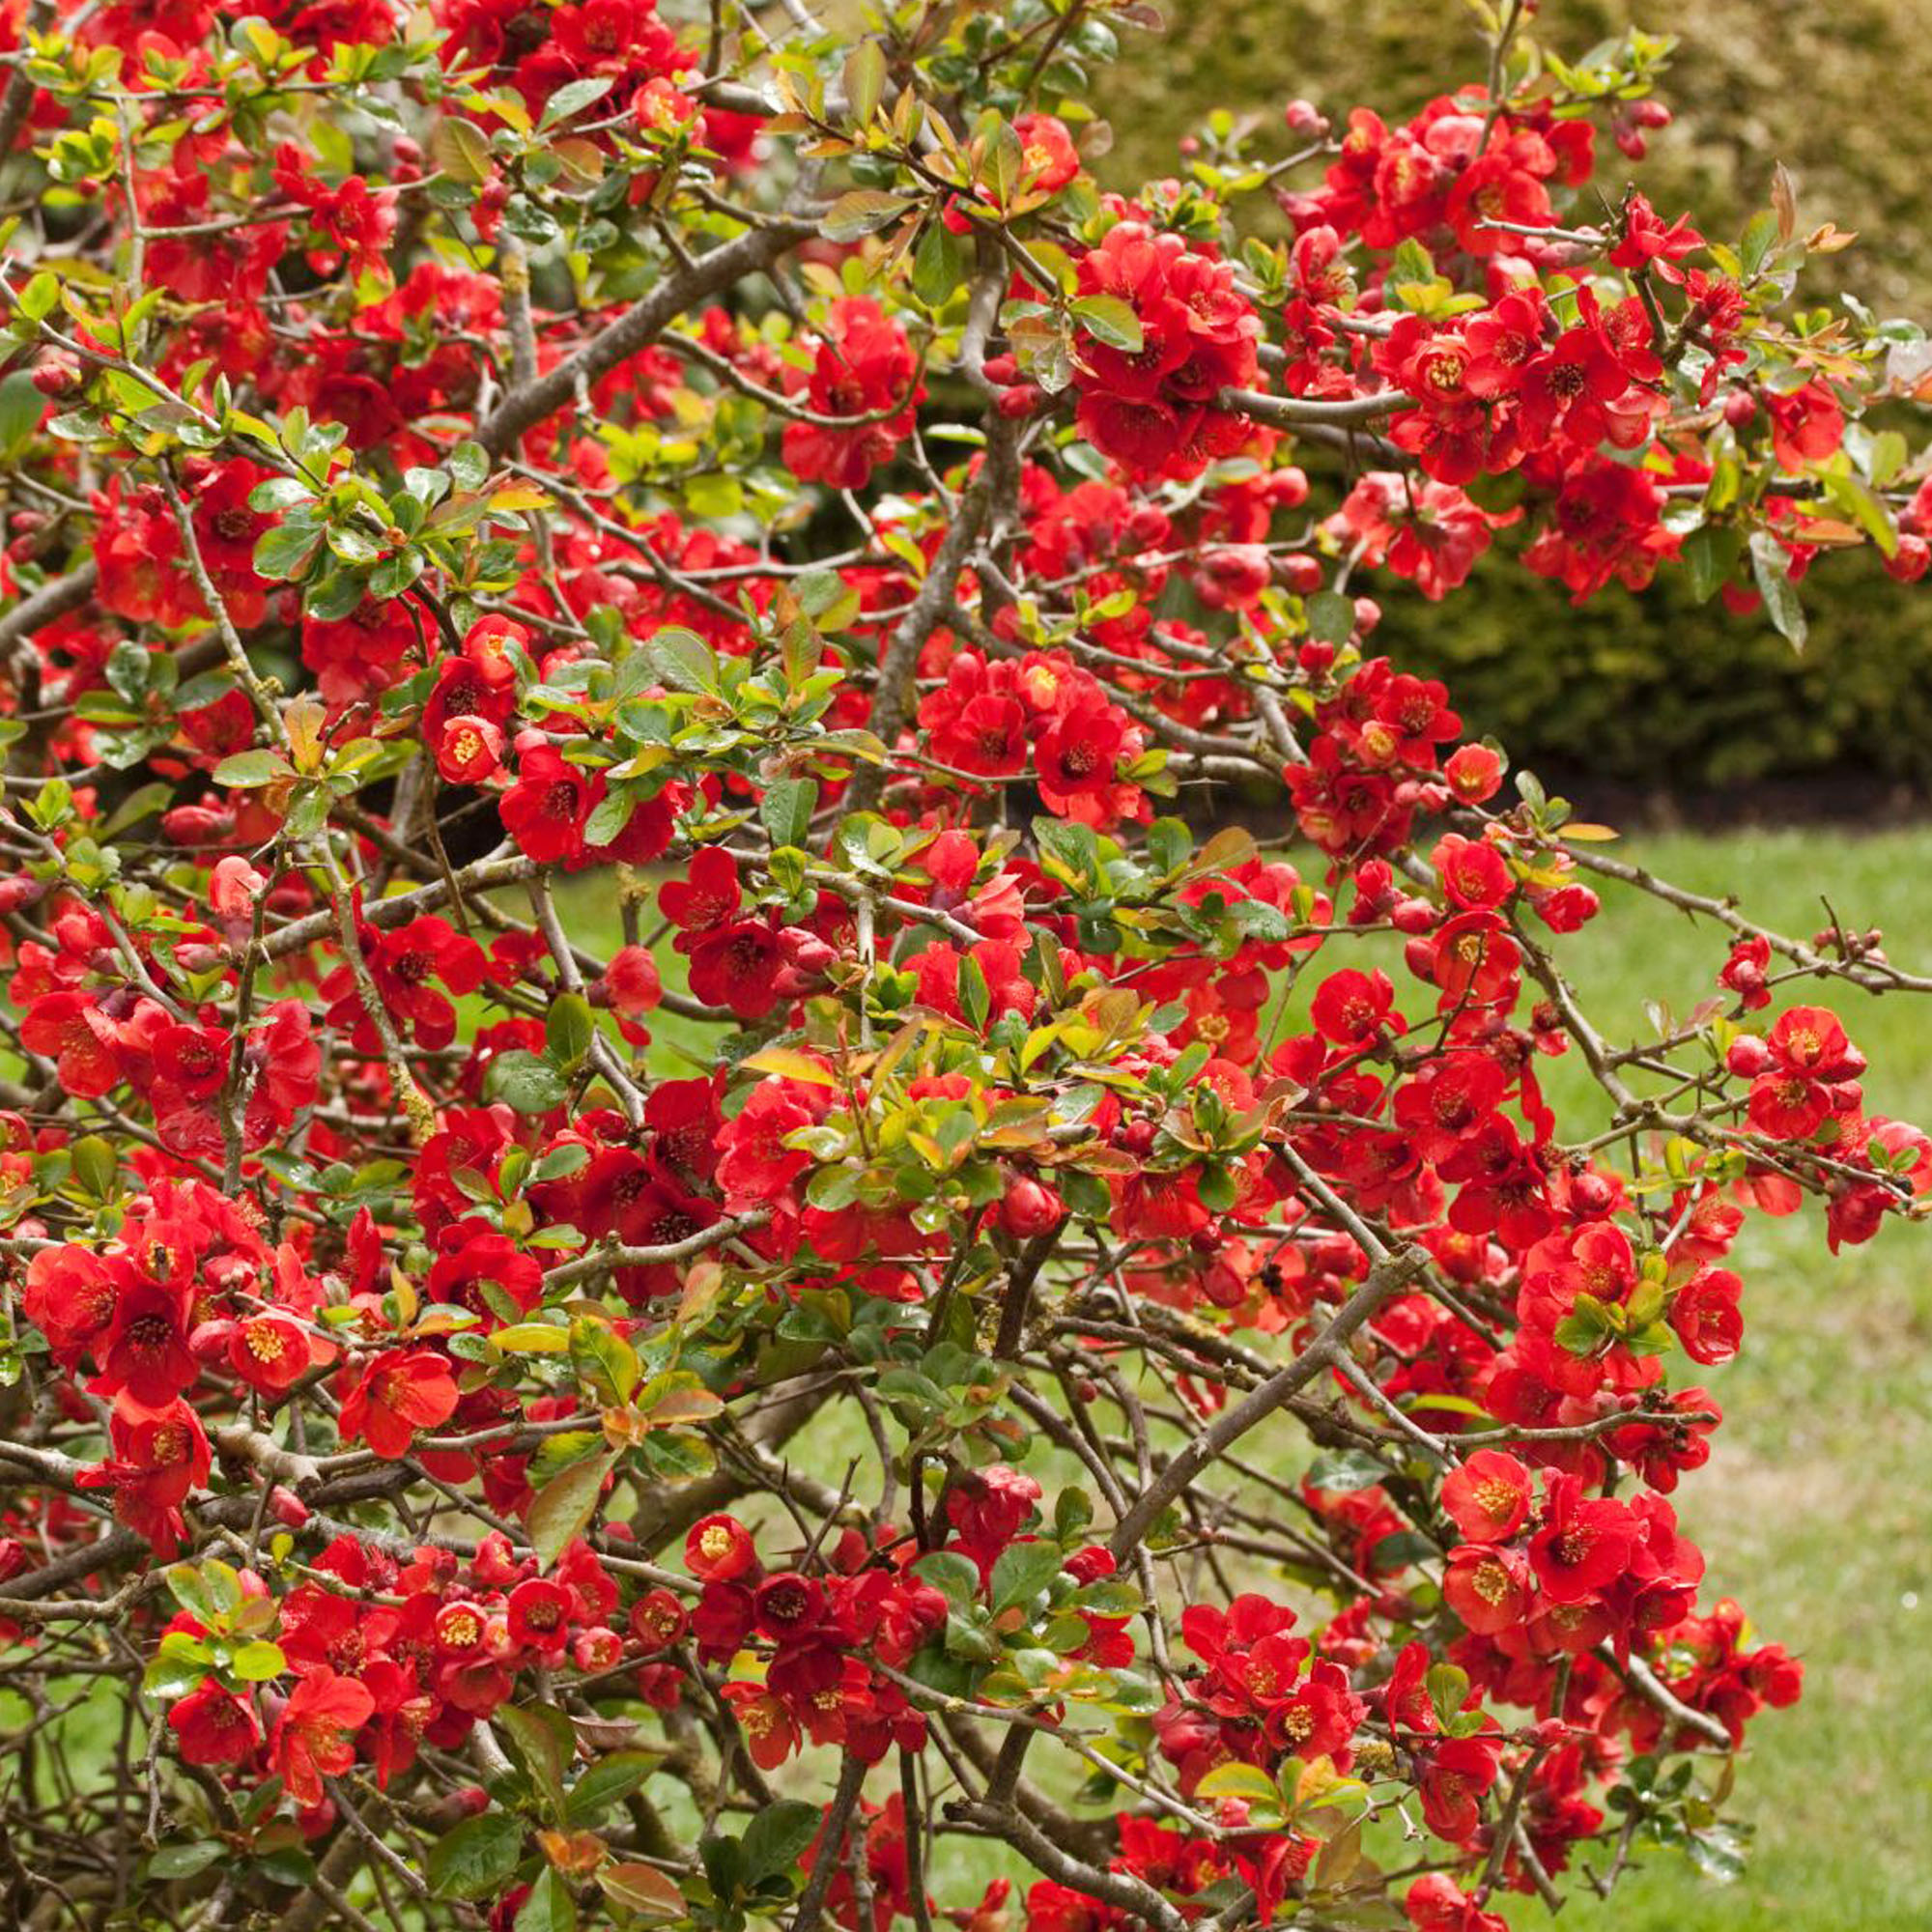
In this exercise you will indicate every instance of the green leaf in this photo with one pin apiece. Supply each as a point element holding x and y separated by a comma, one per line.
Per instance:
<point>1108,319</point>
<point>95,1164</point>
<point>21,408</point>
<point>864,210</point>
<point>477,1858</point>
<point>184,1860</point>
<point>1346,1471</point>
<point>610,815</point>
<point>186,1586</point>
<point>775,1839</point>
<point>1258,920</point>
<point>1710,553</point>
<point>469,465</point>
<point>41,297</point>
<point>865,80</point>
<point>572,98</point>
<point>683,661</point>
<point>461,150</point>
<point>951,1575</point>
<point>560,1509</point>
<point>1239,1781</point>
<point>606,1782</point>
<point>786,810</point>
<point>246,769</point>
<point>642,1889</point>
<point>542,1742</point>
<point>1331,617</point>
<point>1770,569</point>
<point>569,1029</point>
<point>285,551</point>
<point>936,267</point>
<point>280,493</point>
<point>258,1663</point>
<point>524,1082</point>
<point>1022,1572</point>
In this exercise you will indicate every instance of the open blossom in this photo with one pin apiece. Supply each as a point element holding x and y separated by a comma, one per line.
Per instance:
<point>312,1737</point>
<point>863,368</point>
<point>398,1393</point>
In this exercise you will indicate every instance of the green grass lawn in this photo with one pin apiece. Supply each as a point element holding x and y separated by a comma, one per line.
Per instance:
<point>1815,1511</point>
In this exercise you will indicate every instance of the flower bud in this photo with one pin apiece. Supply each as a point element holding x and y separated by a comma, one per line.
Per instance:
<point>1301,573</point>
<point>56,375</point>
<point>1911,560</point>
<point>1028,1208</point>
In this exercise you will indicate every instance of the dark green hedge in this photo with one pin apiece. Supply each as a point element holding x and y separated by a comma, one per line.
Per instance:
<point>1662,692</point>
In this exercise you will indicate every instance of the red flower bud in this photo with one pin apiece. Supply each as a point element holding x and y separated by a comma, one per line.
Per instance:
<point>290,1510</point>
<point>1911,560</point>
<point>56,375</point>
<point>1028,1208</point>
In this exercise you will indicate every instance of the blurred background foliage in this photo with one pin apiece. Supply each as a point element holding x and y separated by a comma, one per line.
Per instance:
<point>1656,693</point>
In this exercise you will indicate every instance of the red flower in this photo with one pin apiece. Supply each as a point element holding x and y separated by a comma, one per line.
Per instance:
<point>1436,1903</point>
<point>863,368</point>
<point>1047,149</point>
<point>158,1455</point>
<point>631,984</point>
<point>403,962</point>
<point>485,1272</point>
<point>1582,1546</point>
<point>787,1607</point>
<point>272,1353</point>
<point>544,811</point>
<point>1488,1586</point>
<point>1455,1776</point>
<point>215,1726</point>
<point>71,1032</point>
<point>470,750</point>
<point>70,1295</point>
<point>313,1738</point>
<point>658,1620</point>
<point>146,1350</point>
<point>399,1392</point>
<point>755,1165</point>
<point>1488,1498</point>
<point>737,967</point>
<point>539,1615</point>
<point>706,898</point>
<point>1647,243</point>
<point>193,1059</point>
<point>1475,876</point>
<point>1704,1313</point>
<point>771,1731</point>
<point>718,1548</point>
<point>1350,1006</point>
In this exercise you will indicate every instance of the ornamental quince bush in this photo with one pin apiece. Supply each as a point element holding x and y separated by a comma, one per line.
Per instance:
<point>674,1252</point>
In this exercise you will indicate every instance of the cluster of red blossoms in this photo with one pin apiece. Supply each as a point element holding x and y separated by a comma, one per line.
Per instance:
<point>815,1686</point>
<point>1153,408</point>
<point>441,1654</point>
<point>996,718</point>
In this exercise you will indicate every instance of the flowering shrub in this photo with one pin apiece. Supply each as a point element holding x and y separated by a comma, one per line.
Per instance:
<point>675,1253</point>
